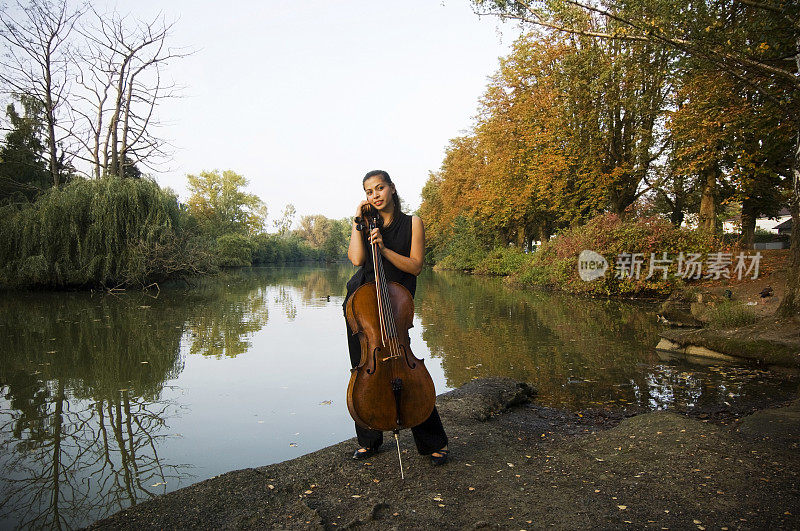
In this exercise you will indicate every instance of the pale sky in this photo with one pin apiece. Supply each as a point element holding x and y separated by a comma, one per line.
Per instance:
<point>303,98</point>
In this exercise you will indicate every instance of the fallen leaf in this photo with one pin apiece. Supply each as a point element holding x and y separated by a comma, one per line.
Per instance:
<point>622,507</point>
<point>292,444</point>
<point>325,403</point>
<point>696,522</point>
<point>355,496</point>
<point>471,488</point>
<point>309,492</point>
<point>271,487</point>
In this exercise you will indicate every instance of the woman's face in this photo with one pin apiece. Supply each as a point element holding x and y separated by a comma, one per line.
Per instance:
<point>379,194</point>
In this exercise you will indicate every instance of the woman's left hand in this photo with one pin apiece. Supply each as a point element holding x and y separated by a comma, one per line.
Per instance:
<point>375,237</point>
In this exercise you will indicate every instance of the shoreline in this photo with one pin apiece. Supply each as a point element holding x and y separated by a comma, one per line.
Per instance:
<point>518,465</point>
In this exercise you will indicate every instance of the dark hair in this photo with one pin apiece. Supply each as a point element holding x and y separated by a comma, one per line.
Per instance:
<point>388,180</point>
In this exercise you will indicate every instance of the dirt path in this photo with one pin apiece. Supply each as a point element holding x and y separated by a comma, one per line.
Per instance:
<point>518,466</point>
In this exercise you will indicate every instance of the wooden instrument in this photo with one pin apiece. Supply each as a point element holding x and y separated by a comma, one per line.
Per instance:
<point>390,389</point>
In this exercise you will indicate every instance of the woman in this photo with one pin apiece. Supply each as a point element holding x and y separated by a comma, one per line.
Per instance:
<point>402,246</point>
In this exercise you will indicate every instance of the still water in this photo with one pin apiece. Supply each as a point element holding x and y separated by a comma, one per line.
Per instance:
<point>108,400</point>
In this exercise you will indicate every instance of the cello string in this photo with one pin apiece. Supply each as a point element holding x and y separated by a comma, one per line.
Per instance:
<point>391,333</point>
<point>384,308</point>
<point>381,316</point>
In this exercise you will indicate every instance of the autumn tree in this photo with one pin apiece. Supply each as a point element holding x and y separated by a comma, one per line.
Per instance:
<point>558,140</point>
<point>755,43</point>
<point>221,206</point>
<point>284,223</point>
<point>328,235</point>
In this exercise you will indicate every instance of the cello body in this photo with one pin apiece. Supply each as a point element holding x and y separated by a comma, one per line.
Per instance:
<point>390,388</point>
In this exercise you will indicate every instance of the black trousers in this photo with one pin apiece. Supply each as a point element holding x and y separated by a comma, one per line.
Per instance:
<point>428,436</point>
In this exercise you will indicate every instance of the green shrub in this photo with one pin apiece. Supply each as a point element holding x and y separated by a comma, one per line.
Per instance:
<point>502,261</point>
<point>464,249</point>
<point>275,249</point>
<point>555,262</point>
<point>234,250</point>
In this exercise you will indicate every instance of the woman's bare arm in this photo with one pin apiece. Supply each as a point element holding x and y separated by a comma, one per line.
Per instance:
<point>357,251</point>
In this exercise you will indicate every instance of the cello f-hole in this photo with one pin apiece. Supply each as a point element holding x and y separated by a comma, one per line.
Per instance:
<point>411,364</point>
<point>374,365</point>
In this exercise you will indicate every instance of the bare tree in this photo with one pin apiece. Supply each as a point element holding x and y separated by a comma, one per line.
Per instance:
<point>121,82</point>
<point>36,60</point>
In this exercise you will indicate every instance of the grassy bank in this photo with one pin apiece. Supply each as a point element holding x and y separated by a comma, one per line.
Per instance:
<point>554,264</point>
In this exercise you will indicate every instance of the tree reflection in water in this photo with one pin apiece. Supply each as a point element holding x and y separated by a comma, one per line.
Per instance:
<point>82,379</point>
<point>578,352</point>
<point>85,404</point>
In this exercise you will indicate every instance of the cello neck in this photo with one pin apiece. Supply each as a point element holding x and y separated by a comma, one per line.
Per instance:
<point>384,306</point>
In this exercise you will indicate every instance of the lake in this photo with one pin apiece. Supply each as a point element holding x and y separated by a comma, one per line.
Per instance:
<point>110,399</point>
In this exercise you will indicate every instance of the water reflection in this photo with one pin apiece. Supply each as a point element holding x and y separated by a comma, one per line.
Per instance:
<point>578,352</point>
<point>107,401</point>
<point>82,414</point>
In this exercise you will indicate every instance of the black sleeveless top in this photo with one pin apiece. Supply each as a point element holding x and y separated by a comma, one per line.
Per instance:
<point>397,237</point>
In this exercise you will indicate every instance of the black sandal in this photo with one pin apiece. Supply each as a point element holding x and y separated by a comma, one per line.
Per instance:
<point>441,459</point>
<point>363,453</point>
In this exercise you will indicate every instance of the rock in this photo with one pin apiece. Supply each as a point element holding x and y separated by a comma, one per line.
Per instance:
<point>693,351</point>
<point>780,425</point>
<point>480,399</point>
<point>679,313</point>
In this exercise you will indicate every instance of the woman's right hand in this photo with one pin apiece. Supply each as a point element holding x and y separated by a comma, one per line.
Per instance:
<point>360,209</point>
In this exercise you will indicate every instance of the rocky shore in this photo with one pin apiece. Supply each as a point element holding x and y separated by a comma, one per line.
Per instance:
<point>517,465</point>
<point>761,338</point>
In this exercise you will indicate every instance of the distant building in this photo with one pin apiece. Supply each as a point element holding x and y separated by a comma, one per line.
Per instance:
<point>785,227</point>
<point>734,224</point>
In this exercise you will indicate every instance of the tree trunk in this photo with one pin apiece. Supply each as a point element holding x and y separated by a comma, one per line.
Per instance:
<point>676,216</point>
<point>51,121</point>
<point>790,305</point>
<point>708,210</point>
<point>749,215</point>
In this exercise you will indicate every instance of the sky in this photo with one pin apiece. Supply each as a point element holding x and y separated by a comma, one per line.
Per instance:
<point>303,98</point>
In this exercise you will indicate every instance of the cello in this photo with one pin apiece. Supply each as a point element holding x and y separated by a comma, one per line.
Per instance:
<point>390,389</point>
